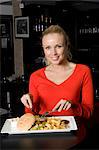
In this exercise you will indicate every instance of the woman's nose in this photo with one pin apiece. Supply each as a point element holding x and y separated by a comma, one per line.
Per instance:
<point>54,51</point>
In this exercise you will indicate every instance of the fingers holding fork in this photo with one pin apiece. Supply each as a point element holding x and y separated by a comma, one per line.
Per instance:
<point>62,105</point>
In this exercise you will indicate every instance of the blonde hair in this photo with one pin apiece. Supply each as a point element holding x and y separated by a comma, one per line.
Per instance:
<point>60,30</point>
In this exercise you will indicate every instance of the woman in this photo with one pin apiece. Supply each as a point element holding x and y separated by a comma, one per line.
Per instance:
<point>62,85</point>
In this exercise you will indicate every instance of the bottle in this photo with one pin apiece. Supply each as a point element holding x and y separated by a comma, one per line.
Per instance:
<point>7,98</point>
<point>39,24</point>
<point>46,22</point>
<point>4,80</point>
<point>23,78</point>
<point>50,20</point>
<point>8,101</point>
<point>36,25</point>
<point>42,22</point>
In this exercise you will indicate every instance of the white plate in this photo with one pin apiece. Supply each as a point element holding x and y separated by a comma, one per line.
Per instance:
<point>10,126</point>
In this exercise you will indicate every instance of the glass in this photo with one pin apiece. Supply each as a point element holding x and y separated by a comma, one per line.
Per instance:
<point>97,93</point>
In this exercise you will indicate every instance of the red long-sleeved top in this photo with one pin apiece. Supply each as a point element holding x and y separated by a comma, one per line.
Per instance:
<point>78,88</point>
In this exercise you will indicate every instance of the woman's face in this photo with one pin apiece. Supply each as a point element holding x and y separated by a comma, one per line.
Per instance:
<point>54,48</point>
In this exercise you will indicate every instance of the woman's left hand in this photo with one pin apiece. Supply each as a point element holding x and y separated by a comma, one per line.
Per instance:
<point>62,105</point>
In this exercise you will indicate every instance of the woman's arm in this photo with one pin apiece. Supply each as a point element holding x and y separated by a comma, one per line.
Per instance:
<point>30,100</point>
<point>34,95</point>
<point>85,109</point>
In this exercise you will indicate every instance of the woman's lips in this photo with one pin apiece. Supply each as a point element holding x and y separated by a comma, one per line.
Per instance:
<point>55,58</point>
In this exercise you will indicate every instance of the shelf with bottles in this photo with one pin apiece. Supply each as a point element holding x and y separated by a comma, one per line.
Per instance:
<point>89,30</point>
<point>88,22</point>
<point>40,23</point>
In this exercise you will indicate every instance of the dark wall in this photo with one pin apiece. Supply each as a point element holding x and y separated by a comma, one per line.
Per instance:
<point>6,47</point>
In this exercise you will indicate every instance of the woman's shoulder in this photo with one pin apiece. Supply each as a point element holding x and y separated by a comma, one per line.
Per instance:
<point>83,67</point>
<point>37,72</point>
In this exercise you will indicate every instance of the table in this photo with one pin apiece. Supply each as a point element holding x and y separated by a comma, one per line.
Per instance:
<point>42,141</point>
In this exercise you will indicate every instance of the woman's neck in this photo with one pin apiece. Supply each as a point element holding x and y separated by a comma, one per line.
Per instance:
<point>62,66</point>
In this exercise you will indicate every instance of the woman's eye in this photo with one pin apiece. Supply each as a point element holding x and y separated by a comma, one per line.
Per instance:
<point>47,48</point>
<point>59,46</point>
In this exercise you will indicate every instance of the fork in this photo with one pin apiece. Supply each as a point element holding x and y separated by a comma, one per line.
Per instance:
<point>47,113</point>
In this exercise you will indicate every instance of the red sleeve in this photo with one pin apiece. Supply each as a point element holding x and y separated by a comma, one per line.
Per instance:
<point>85,109</point>
<point>34,93</point>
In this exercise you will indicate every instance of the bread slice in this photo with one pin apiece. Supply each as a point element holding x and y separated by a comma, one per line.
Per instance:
<point>25,122</point>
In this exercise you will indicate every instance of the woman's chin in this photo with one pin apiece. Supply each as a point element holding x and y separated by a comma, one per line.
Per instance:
<point>56,62</point>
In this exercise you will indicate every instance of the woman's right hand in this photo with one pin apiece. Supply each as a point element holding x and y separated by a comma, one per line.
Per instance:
<point>26,100</point>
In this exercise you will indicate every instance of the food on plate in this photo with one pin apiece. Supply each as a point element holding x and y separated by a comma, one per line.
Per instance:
<point>25,122</point>
<point>50,123</point>
<point>30,122</point>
